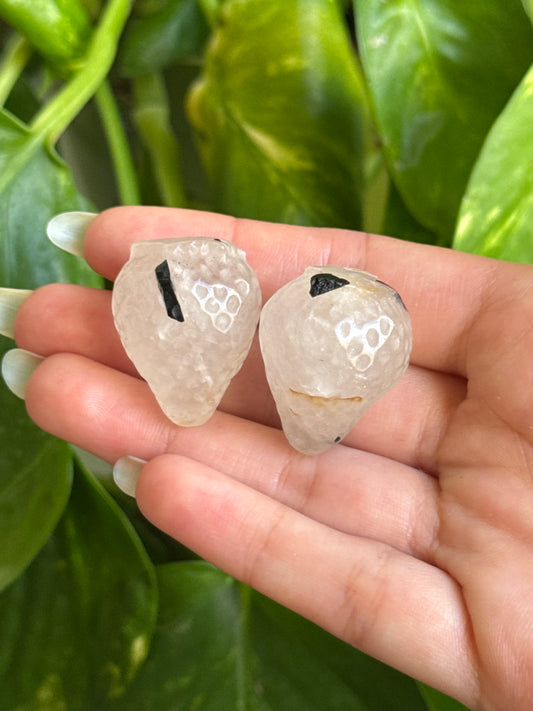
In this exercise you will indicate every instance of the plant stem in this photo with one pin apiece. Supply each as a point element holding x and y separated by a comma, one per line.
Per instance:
<point>15,57</point>
<point>126,176</point>
<point>152,119</point>
<point>54,118</point>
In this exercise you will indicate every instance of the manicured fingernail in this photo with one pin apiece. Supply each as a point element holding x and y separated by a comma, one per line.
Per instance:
<point>126,472</point>
<point>10,302</point>
<point>17,368</point>
<point>67,230</point>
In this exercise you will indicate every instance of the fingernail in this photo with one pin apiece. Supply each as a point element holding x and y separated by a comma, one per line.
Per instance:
<point>67,230</point>
<point>17,368</point>
<point>10,302</point>
<point>126,472</point>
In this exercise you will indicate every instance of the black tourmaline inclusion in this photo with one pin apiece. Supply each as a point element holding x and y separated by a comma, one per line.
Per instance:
<point>322,283</point>
<point>396,295</point>
<point>162,273</point>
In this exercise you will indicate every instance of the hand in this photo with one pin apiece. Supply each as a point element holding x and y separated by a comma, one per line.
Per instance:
<point>413,540</point>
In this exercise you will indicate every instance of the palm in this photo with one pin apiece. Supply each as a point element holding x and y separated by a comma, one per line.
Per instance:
<point>485,502</point>
<point>413,539</point>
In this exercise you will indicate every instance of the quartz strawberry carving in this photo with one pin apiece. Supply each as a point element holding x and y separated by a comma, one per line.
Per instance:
<point>334,340</point>
<point>186,311</point>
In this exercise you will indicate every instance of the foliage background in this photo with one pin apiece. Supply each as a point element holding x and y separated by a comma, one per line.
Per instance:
<point>408,117</point>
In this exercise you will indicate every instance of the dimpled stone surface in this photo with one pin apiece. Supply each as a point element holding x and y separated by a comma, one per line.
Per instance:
<point>186,311</point>
<point>330,356</point>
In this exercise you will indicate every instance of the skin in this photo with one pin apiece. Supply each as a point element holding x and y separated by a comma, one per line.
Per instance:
<point>412,540</point>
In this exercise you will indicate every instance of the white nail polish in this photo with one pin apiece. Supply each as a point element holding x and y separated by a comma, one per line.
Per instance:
<point>67,231</point>
<point>10,302</point>
<point>17,368</point>
<point>126,472</point>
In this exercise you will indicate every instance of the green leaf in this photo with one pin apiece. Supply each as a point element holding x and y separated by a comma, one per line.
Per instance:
<point>38,190</point>
<point>220,645</point>
<point>35,469</point>
<point>528,5</point>
<point>175,33</point>
<point>436,701</point>
<point>439,72</point>
<point>400,223</point>
<point>77,626</point>
<point>496,217</point>
<point>58,29</point>
<point>35,480</point>
<point>280,113</point>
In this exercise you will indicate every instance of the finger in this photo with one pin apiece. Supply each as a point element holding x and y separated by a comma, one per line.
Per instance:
<point>394,607</point>
<point>407,424</point>
<point>112,414</point>
<point>443,289</point>
<point>63,318</point>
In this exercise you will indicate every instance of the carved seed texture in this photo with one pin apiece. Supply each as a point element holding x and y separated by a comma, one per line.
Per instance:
<point>186,311</point>
<point>334,341</point>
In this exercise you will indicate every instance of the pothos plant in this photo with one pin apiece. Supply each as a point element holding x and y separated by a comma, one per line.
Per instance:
<point>405,117</point>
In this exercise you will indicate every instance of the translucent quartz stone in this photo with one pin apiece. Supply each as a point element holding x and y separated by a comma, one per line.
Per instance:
<point>334,340</point>
<point>186,311</point>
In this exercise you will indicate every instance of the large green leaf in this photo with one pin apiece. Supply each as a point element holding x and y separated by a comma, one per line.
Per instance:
<point>280,113</point>
<point>35,470</point>
<point>35,479</point>
<point>439,72</point>
<point>496,217</point>
<point>37,189</point>
<point>219,646</point>
<point>77,625</point>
